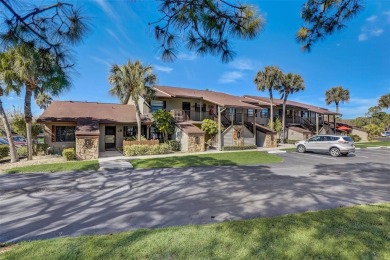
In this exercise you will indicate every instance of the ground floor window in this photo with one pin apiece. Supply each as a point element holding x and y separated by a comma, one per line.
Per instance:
<point>65,133</point>
<point>129,131</point>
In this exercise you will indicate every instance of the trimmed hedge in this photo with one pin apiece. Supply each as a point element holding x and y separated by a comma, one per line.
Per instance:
<point>239,147</point>
<point>22,151</point>
<point>69,154</point>
<point>134,150</point>
<point>175,145</point>
<point>355,138</point>
<point>42,148</point>
<point>4,151</point>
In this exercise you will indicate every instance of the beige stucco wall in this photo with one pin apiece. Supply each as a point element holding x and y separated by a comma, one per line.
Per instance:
<point>363,135</point>
<point>57,146</point>
<point>294,135</point>
<point>181,137</point>
<point>230,136</point>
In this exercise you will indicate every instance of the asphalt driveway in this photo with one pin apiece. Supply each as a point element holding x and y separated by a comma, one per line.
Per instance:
<point>36,206</point>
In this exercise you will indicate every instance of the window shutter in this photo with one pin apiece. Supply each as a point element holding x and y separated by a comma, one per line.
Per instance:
<point>53,134</point>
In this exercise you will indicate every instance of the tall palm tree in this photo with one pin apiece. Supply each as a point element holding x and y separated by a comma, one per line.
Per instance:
<point>130,81</point>
<point>268,80</point>
<point>291,83</point>
<point>336,95</point>
<point>38,70</point>
<point>43,100</point>
<point>384,101</point>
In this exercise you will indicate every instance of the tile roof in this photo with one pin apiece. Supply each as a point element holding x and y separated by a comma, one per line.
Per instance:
<point>71,111</point>
<point>279,102</point>
<point>218,98</point>
<point>87,127</point>
<point>189,128</point>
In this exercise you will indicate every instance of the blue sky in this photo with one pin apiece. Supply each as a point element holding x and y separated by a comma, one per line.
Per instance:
<point>357,58</point>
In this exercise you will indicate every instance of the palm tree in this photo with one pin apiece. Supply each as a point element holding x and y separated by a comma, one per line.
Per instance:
<point>130,81</point>
<point>336,95</point>
<point>43,100</point>
<point>269,79</point>
<point>384,101</point>
<point>38,70</point>
<point>291,83</point>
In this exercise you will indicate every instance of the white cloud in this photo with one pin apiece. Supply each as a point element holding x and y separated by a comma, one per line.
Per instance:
<point>230,77</point>
<point>362,37</point>
<point>244,64</point>
<point>376,32</point>
<point>105,6</point>
<point>113,35</point>
<point>372,18</point>
<point>162,68</point>
<point>186,56</point>
<point>101,61</point>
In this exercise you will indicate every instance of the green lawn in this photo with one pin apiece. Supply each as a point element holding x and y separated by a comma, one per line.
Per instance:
<point>360,232</point>
<point>57,167</point>
<point>217,159</point>
<point>371,144</point>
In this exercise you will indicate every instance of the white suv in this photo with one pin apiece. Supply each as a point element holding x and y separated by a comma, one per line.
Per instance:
<point>335,145</point>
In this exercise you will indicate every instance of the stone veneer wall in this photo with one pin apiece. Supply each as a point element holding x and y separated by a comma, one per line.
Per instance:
<point>87,147</point>
<point>270,141</point>
<point>195,145</point>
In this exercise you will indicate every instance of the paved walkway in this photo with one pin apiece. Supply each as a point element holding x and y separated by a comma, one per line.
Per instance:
<point>113,160</point>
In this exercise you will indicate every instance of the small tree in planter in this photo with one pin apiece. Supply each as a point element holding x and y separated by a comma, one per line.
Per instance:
<point>164,122</point>
<point>210,127</point>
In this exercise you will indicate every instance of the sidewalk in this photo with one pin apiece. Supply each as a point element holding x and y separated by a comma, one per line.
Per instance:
<point>260,149</point>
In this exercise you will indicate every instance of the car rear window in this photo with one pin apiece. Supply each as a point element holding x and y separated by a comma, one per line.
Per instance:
<point>347,138</point>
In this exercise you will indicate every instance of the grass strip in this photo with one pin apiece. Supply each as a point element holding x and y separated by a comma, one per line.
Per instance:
<point>57,167</point>
<point>217,159</point>
<point>359,232</point>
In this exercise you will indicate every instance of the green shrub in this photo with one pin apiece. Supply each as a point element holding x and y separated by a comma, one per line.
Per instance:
<point>355,138</point>
<point>174,145</point>
<point>42,148</point>
<point>22,151</point>
<point>4,151</point>
<point>69,154</point>
<point>135,150</point>
<point>290,141</point>
<point>239,147</point>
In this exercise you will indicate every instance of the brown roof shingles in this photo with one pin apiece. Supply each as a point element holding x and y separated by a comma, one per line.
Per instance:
<point>279,102</point>
<point>218,98</point>
<point>71,111</point>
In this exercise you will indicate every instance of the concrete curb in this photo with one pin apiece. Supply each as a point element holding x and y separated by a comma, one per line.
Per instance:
<point>277,151</point>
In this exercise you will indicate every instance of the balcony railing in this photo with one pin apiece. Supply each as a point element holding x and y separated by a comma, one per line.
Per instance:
<point>190,115</point>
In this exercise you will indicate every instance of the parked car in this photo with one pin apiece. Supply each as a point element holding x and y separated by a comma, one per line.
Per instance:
<point>18,140</point>
<point>335,145</point>
<point>385,134</point>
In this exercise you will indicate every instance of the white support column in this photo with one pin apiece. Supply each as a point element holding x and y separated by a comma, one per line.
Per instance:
<point>201,110</point>
<point>254,125</point>
<point>317,127</point>
<point>219,129</point>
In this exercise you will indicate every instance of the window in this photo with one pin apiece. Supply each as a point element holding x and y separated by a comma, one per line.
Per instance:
<point>251,112</point>
<point>264,113</point>
<point>157,105</point>
<point>197,107</point>
<point>129,131</point>
<point>232,110</point>
<point>65,133</point>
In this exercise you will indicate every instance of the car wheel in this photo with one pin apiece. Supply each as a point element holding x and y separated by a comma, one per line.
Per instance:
<point>301,148</point>
<point>335,152</point>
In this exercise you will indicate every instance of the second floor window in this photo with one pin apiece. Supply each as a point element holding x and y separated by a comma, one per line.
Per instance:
<point>264,113</point>
<point>157,105</point>
<point>197,107</point>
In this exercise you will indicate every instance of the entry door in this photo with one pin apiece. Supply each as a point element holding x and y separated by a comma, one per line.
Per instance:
<point>186,107</point>
<point>110,137</point>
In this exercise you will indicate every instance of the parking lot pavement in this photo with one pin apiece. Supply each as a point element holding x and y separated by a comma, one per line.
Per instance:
<point>37,206</point>
<point>381,155</point>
